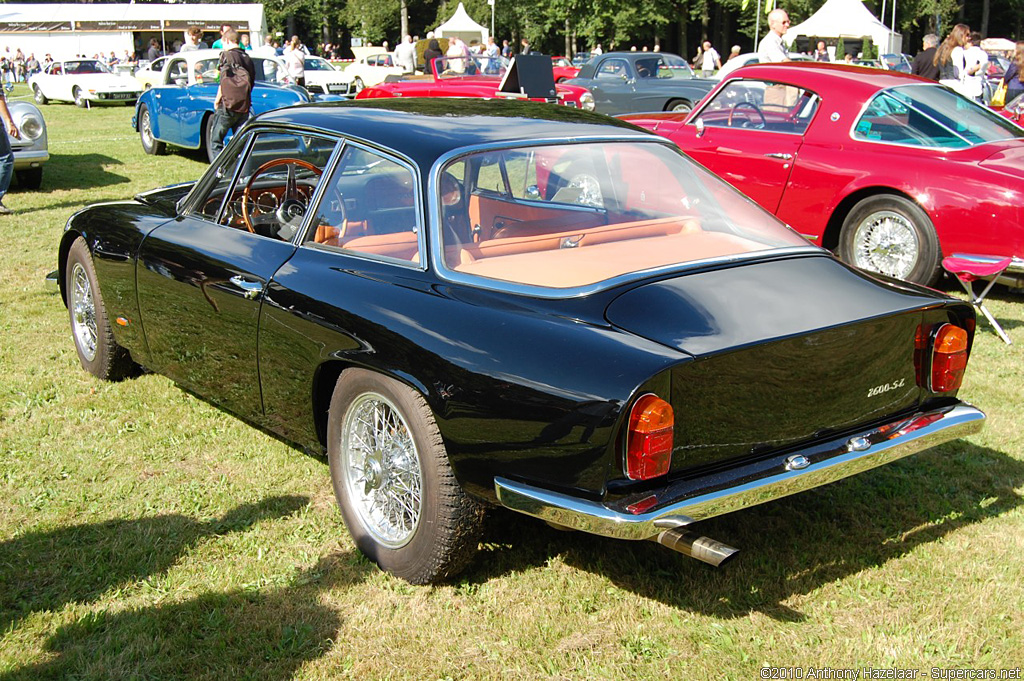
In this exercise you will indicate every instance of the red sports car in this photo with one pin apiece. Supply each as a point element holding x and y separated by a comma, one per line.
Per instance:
<point>472,77</point>
<point>563,69</point>
<point>891,171</point>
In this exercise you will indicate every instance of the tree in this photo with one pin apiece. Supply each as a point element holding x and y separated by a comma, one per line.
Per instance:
<point>840,50</point>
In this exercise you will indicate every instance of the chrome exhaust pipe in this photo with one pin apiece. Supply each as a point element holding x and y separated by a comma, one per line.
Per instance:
<point>694,545</point>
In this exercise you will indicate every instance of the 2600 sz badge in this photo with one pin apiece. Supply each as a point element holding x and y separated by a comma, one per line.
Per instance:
<point>512,304</point>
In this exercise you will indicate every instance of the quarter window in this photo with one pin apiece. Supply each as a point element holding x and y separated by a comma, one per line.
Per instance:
<point>369,208</point>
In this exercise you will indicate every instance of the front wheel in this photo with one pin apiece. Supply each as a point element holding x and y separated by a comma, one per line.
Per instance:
<point>79,95</point>
<point>99,354</point>
<point>891,235</point>
<point>37,93</point>
<point>358,83</point>
<point>393,481</point>
<point>150,144</point>
<point>211,152</point>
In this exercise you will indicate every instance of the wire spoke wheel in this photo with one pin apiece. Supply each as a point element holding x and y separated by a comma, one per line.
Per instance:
<point>83,312</point>
<point>381,468</point>
<point>886,242</point>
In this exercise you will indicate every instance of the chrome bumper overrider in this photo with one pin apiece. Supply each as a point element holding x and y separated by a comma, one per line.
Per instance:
<point>686,501</point>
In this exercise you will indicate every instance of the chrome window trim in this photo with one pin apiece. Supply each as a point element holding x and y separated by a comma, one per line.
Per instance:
<point>445,274</point>
<point>302,240</point>
<point>867,102</point>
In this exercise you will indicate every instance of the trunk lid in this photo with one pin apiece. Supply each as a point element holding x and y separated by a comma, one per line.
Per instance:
<point>784,352</point>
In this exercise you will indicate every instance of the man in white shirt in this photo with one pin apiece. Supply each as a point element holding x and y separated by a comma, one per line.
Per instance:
<point>711,61</point>
<point>975,68</point>
<point>771,48</point>
<point>405,55</point>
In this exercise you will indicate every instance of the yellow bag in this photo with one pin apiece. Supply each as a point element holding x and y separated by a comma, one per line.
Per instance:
<point>999,96</point>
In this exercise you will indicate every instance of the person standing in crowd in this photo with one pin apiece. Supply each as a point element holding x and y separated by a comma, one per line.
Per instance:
<point>1014,86</point>
<point>458,55</point>
<point>493,55</point>
<point>267,49</point>
<point>924,61</point>
<point>821,54</point>
<point>975,68</point>
<point>949,58</point>
<point>524,46</point>
<point>193,40</point>
<point>32,64</point>
<point>244,44</point>
<point>772,48</point>
<point>734,52</point>
<point>219,42</point>
<point>153,53</point>
<point>405,55</point>
<point>234,91</point>
<point>295,61</point>
<point>432,52</point>
<point>6,153</point>
<point>506,49</point>
<point>597,51</point>
<point>711,61</point>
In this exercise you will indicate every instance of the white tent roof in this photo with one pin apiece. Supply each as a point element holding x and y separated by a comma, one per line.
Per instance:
<point>847,19</point>
<point>461,25</point>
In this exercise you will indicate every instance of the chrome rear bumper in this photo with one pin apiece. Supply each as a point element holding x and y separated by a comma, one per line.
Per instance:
<point>686,501</point>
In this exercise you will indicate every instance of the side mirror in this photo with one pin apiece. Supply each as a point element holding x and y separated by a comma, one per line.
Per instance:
<point>533,192</point>
<point>700,127</point>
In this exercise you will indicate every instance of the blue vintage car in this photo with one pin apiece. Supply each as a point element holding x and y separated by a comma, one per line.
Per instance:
<point>179,111</point>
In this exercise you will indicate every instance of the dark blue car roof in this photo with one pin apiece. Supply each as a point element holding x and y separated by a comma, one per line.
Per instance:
<point>426,128</point>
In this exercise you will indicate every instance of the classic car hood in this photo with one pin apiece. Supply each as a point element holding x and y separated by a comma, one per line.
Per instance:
<point>709,312</point>
<point>165,198</point>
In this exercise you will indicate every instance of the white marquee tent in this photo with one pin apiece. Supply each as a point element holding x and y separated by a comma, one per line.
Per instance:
<point>461,25</point>
<point>66,30</point>
<point>847,19</point>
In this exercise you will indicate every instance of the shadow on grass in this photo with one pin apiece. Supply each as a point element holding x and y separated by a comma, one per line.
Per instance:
<point>80,171</point>
<point>264,633</point>
<point>44,571</point>
<point>790,546</point>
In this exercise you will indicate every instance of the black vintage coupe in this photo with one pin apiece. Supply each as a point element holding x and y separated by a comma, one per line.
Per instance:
<point>642,82</point>
<point>518,305</point>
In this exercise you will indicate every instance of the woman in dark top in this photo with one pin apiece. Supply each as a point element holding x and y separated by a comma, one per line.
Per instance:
<point>432,52</point>
<point>1014,86</point>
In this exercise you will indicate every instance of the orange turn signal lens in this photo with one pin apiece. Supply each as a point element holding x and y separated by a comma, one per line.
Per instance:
<point>949,358</point>
<point>649,440</point>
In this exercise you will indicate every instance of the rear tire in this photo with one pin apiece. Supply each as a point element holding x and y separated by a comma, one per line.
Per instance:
<point>150,144</point>
<point>37,93</point>
<point>30,178</point>
<point>393,482</point>
<point>358,84</point>
<point>891,235</point>
<point>98,352</point>
<point>679,106</point>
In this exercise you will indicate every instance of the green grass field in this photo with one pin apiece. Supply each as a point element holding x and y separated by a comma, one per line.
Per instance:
<point>146,534</point>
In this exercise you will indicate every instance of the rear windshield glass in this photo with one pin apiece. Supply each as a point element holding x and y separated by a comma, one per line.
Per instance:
<point>931,116</point>
<point>574,215</point>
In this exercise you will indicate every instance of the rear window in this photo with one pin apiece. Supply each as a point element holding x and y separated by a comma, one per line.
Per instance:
<point>931,116</point>
<point>568,216</point>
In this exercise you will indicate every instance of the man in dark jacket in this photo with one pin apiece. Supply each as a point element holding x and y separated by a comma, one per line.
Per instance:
<point>924,63</point>
<point>234,93</point>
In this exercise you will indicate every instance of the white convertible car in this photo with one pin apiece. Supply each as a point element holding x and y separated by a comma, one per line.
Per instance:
<point>85,82</point>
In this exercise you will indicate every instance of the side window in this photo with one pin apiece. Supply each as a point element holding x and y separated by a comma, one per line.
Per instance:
<point>178,70</point>
<point>611,69</point>
<point>276,182</point>
<point>761,105</point>
<point>890,119</point>
<point>206,71</point>
<point>369,208</point>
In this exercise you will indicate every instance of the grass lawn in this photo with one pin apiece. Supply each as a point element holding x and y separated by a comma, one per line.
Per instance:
<point>146,534</point>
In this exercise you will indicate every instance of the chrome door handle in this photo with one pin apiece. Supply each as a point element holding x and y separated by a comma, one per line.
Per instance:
<point>782,155</point>
<point>250,289</point>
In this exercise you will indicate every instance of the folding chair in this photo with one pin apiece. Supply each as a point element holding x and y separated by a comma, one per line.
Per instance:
<point>966,270</point>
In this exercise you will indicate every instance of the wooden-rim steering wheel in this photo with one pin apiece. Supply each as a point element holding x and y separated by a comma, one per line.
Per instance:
<point>291,192</point>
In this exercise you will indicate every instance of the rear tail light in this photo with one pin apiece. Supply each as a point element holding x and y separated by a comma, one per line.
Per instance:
<point>649,440</point>
<point>949,358</point>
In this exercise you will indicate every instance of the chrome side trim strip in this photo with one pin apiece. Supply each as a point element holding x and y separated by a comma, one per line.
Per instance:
<point>748,485</point>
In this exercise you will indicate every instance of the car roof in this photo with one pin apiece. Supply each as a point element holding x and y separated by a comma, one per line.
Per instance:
<point>425,128</point>
<point>855,81</point>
